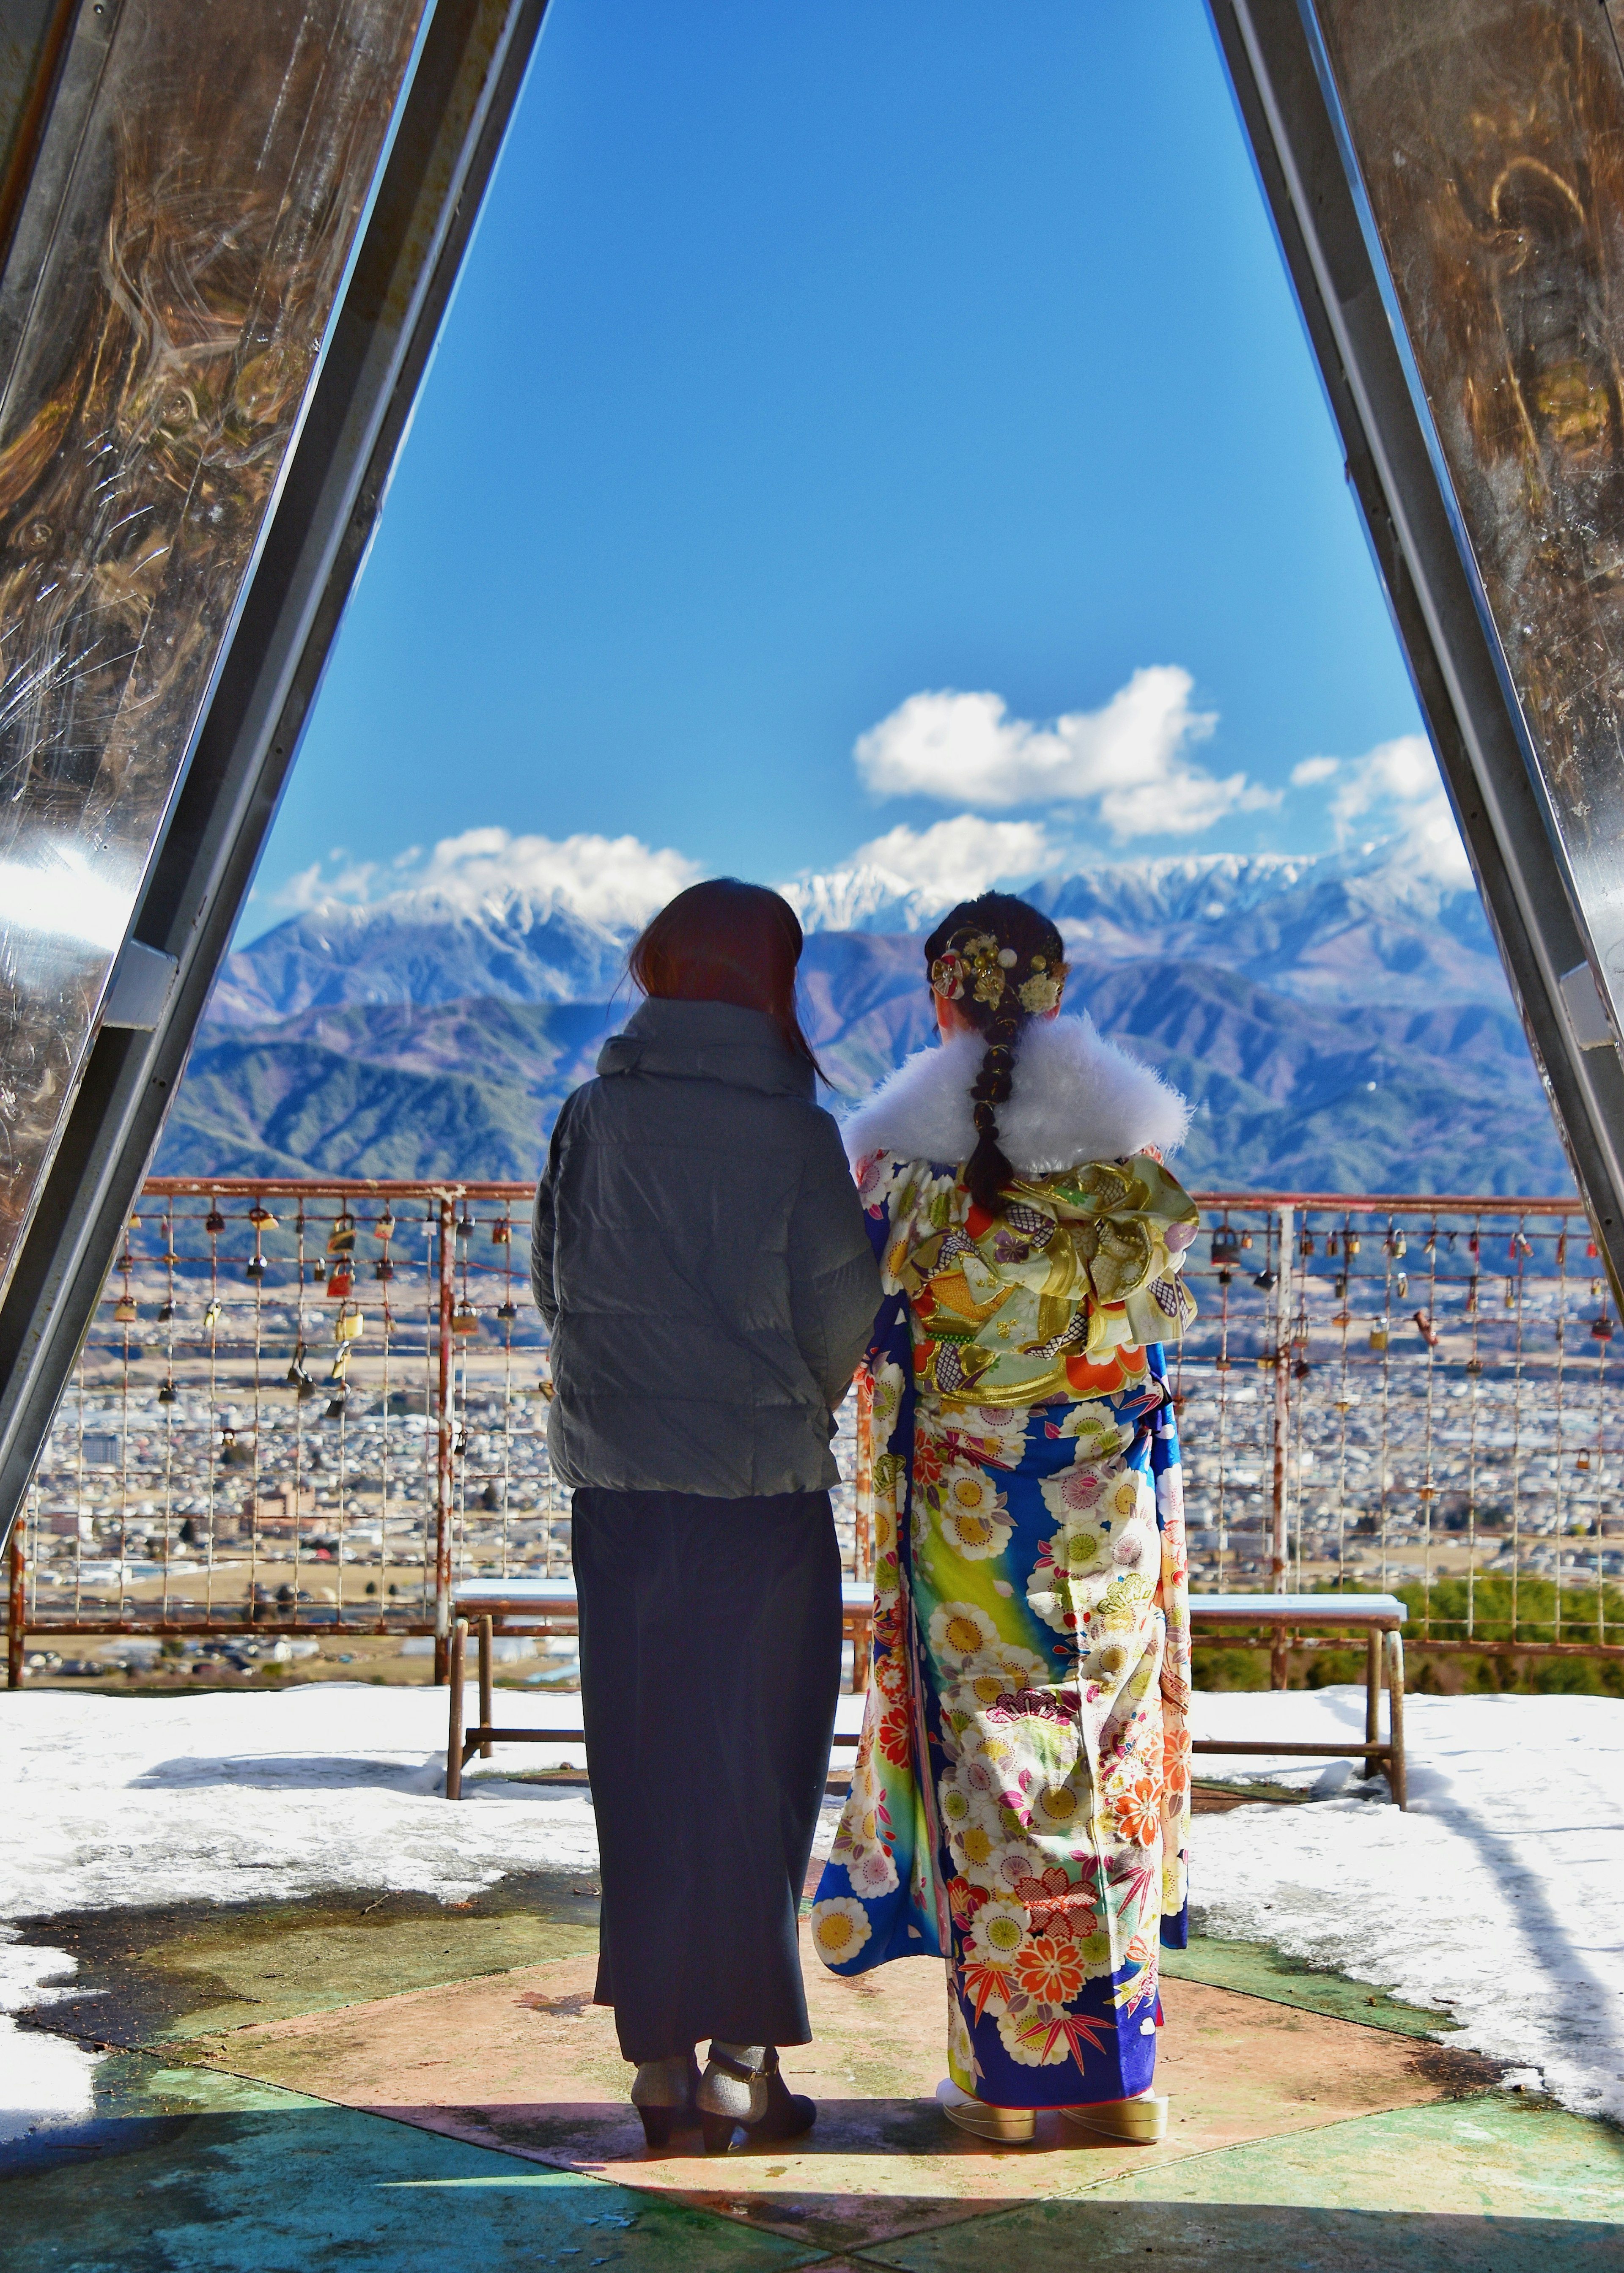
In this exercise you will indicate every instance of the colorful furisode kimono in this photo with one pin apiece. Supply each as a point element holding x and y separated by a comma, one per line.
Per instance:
<point>1020,1801</point>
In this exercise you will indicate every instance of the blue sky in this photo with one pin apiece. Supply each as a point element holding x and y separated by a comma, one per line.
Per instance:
<point>808,361</point>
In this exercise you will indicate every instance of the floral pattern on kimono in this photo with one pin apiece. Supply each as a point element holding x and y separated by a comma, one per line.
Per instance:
<point>1020,1800</point>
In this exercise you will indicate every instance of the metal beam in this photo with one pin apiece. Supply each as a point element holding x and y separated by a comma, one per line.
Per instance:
<point>466,80</point>
<point>1429,547</point>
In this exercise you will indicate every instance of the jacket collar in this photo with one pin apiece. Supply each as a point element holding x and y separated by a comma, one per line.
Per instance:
<point>1076,1097</point>
<point>708,1041</point>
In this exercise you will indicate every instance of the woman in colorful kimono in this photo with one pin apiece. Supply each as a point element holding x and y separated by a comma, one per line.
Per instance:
<point>1020,1800</point>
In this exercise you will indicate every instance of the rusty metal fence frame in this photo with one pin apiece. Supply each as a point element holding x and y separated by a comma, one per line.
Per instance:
<point>325,1243</point>
<point>1499,1306</point>
<point>1318,1311</point>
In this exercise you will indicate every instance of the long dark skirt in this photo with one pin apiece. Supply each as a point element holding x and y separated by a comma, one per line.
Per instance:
<point>709,1666</point>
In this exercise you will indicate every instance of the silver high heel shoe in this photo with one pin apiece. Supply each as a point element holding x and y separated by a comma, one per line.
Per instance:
<point>742,2087</point>
<point>665,2093</point>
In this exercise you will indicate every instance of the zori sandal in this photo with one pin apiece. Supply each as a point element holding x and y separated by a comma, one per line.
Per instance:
<point>1143,2119</point>
<point>1010,2126</point>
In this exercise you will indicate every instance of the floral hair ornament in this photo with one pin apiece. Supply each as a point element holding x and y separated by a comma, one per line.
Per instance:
<point>1042,991</point>
<point>976,964</point>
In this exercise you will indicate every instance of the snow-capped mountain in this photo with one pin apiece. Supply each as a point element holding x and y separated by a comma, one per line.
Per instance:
<point>1372,928</point>
<point>861,899</point>
<point>422,946</point>
<point>1368,928</point>
<point>1341,1024</point>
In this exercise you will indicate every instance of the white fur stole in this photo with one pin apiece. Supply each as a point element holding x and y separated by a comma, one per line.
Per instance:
<point>1076,1097</point>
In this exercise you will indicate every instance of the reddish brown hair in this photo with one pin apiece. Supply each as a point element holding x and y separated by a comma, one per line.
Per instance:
<point>726,942</point>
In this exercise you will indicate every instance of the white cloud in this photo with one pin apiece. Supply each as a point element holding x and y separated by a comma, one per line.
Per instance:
<point>352,883</point>
<point>958,857</point>
<point>906,877</point>
<point>1402,772</point>
<point>617,881</point>
<point>1132,756</point>
<point>1393,791</point>
<point>609,879</point>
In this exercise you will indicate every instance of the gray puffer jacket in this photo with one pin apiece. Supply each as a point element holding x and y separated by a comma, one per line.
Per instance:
<point>701,1256</point>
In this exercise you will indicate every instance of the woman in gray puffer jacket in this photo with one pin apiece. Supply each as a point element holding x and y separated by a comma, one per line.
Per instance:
<point>701,1258</point>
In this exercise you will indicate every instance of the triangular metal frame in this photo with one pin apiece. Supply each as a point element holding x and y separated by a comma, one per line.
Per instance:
<point>467,75</point>
<point>1492,766</point>
<point>466,81</point>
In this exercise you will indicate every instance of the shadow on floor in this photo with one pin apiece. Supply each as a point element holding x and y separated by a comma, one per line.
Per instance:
<point>290,2183</point>
<point>1255,2238</point>
<point>299,2188</point>
<point>293,1771</point>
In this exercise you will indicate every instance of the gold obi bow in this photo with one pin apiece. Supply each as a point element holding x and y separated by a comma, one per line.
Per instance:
<point>1037,1302</point>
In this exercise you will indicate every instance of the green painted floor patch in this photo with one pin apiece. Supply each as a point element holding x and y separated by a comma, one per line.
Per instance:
<point>137,2100</point>
<point>134,2084</point>
<point>306,2187</point>
<point>196,1971</point>
<point>1253,2238</point>
<point>1494,2156</point>
<point>1257,1971</point>
<point>285,1972</point>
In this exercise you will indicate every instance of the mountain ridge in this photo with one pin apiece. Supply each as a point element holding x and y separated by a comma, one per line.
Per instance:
<point>1376,926</point>
<point>1338,1024</point>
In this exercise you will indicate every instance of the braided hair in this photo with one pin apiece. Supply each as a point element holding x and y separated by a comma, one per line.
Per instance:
<point>1003,964</point>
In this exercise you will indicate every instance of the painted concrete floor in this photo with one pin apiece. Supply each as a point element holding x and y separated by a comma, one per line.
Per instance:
<point>380,2082</point>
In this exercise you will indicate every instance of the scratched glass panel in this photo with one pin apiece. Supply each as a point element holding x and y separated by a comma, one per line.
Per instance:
<point>29,34</point>
<point>1490,134</point>
<point>164,362</point>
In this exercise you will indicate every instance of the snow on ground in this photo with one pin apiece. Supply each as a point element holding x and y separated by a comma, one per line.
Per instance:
<point>138,1800</point>
<point>1495,1898</point>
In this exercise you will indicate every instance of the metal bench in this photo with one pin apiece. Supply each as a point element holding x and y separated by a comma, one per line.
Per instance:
<point>530,1606</point>
<point>527,1606</point>
<point>1378,1617</point>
